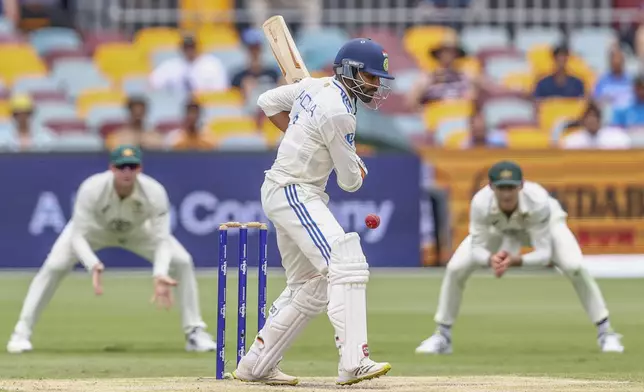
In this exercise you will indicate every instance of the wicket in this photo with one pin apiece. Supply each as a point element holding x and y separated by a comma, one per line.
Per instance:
<point>241,290</point>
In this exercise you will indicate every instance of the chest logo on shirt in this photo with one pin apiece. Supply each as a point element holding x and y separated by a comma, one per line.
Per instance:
<point>350,138</point>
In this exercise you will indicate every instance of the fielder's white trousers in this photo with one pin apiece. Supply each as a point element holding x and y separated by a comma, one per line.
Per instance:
<point>61,260</point>
<point>567,257</point>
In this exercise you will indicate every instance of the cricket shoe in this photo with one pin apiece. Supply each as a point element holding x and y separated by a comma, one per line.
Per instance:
<point>610,342</point>
<point>435,344</point>
<point>367,370</point>
<point>199,341</point>
<point>274,377</point>
<point>18,344</point>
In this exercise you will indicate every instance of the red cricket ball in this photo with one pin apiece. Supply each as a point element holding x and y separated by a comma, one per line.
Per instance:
<point>372,221</point>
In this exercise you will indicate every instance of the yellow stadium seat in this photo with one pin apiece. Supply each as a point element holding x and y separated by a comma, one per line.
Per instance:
<point>553,110</point>
<point>5,111</point>
<point>91,98</point>
<point>519,81</point>
<point>528,140</point>
<point>522,128</point>
<point>470,66</point>
<point>272,133</point>
<point>211,37</point>
<point>20,61</point>
<point>228,126</point>
<point>456,139</point>
<point>419,40</point>
<point>439,111</point>
<point>197,12</point>
<point>153,39</point>
<point>119,60</point>
<point>231,97</point>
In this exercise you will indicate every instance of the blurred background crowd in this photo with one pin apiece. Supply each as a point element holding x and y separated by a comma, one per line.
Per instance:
<point>84,75</point>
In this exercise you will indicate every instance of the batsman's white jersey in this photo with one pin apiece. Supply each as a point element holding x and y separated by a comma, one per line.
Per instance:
<point>139,223</point>
<point>538,222</point>
<point>315,250</point>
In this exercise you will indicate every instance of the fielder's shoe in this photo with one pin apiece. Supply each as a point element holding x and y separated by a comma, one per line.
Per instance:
<point>19,344</point>
<point>435,344</point>
<point>367,370</point>
<point>274,377</point>
<point>610,343</point>
<point>200,341</point>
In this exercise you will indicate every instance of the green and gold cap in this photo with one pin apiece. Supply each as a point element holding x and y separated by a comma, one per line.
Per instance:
<point>126,154</point>
<point>505,173</point>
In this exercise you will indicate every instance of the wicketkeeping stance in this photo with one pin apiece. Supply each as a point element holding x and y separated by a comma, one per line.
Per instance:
<point>123,208</point>
<point>505,216</point>
<point>326,268</point>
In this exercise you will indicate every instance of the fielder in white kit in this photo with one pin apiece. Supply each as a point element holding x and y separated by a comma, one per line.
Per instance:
<point>325,267</point>
<point>124,208</point>
<point>505,216</point>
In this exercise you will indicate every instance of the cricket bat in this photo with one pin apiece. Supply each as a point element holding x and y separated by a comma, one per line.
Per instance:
<point>284,50</point>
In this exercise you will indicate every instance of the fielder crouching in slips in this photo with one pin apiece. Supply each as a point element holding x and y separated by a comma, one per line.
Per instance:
<point>505,216</point>
<point>123,208</point>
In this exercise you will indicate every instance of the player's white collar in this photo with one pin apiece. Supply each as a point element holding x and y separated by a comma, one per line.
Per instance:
<point>352,101</point>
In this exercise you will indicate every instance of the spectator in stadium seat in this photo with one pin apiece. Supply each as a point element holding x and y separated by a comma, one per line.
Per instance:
<point>632,115</point>
<point>135,132</point>
<point>615,87</point>
<point>480,136</point>
<point>560,83</point>
<point>190,136</point>
<point>22,110</point>
<point>446,82</point>
<point>191,72</point>
<point>255,75</point>
<point>594,136</point>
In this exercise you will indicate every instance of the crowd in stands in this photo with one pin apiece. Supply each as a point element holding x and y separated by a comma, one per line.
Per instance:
<point>166,89</point>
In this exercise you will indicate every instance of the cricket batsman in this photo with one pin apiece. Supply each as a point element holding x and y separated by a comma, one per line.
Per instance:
<point>505,216</point>
<point>326,268</point>
<point>124,208</point>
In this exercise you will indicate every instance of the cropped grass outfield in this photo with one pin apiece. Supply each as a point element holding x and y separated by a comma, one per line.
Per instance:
<point>519,325</point>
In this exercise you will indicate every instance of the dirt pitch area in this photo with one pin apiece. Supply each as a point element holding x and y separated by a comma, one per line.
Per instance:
<point>398,384</point>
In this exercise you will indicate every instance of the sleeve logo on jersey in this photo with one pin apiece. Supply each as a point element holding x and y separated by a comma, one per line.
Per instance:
<point>350,138</point>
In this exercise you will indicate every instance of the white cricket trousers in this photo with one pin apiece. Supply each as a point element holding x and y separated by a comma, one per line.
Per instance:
<point>61,260</point>
<point>305,229</point>
<point>567,257</point>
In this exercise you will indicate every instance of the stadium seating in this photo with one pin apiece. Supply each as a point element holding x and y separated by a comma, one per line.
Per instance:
<point>79,82</point>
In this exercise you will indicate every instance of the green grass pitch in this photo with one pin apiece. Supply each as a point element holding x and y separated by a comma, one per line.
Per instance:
<point>519,325</point>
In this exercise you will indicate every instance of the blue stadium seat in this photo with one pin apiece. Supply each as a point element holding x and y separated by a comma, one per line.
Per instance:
<point>409,124</point>
<point>136,86</point>
<point>102,114</point>
<point>53,111</point>
<point>405,81</point>
<point>499,67</point>
<point>78,142</point>
<point>243,143</point>
<point>508,109</point>
<point>210,113</point>
<point>527,38</point>
<point>592,41</point>
<point>78,75</point>
<point>319,47</point>
<point>477,38</point>
<point>233,59</point>
<point>6,26</point>
<point>51,38</point>
<point>163,106</point>
<point>30,84</point>
<point>159,57</point>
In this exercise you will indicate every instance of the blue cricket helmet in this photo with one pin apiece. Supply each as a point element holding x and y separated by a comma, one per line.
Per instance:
<point>363,54</point>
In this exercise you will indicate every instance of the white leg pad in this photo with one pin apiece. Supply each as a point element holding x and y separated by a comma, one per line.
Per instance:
<point>286,322</point>
<point>348,277</point>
